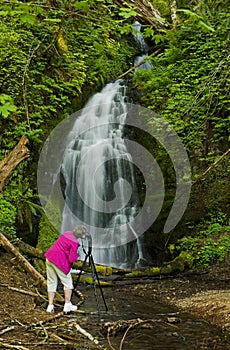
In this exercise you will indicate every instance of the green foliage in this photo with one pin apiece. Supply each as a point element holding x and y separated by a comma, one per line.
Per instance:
<point>208,247</point>
<point>52,59</point>
<point>47,234</point>
<point>24,201</point>
<point>46,66</point>
<point>128,13</point>
<point>188,88</point>
<point>7,105</point>
<point>196,21</point>
<point>7,217</point>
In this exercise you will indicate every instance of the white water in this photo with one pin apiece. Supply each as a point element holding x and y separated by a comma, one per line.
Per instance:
<point>100,189</point>
<point>99,179</point>
<point>144,48</point>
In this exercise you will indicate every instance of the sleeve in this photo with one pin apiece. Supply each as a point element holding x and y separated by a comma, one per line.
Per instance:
<point>73,254</point>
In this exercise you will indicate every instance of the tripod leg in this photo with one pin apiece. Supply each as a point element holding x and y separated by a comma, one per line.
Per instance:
<point>80,273</point>
<point>98,281</point>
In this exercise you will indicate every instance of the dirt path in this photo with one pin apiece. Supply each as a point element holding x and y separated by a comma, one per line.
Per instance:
<point>25,323</point>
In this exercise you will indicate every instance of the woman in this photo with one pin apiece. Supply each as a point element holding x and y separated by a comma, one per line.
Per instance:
<point>59,259</point>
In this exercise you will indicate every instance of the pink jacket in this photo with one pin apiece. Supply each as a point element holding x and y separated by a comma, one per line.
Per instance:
<point>64,251</point>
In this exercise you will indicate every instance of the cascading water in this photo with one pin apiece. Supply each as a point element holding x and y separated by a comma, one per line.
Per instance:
<point>144,48</point>
<point>97,164</point>
<point>96,170</point>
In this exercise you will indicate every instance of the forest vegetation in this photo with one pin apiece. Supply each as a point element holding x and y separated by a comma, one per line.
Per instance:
<point>55,54</point>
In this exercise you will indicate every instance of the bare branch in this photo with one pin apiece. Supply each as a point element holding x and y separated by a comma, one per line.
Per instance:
<point>24,84</point>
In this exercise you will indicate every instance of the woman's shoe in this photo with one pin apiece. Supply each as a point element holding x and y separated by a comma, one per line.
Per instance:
<point>68,307</point>
<point>50,308</point>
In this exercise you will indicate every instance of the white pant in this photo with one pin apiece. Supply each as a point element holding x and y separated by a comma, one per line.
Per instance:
<point>53,273</point>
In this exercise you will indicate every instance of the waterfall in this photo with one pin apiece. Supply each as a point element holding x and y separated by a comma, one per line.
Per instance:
<point>144,48</point>
<point>98,178</point>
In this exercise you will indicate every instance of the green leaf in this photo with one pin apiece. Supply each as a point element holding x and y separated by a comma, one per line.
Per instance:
<point>81,5</point>
<point>98,46</point>
<point>128,13</point>
<point>206,27</point>
<point>28,19</point>
<point>53,20</point>
<point>4,13</point>
<point>6,109</point>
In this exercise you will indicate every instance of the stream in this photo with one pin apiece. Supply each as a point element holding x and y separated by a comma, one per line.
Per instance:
<point>166,328</point>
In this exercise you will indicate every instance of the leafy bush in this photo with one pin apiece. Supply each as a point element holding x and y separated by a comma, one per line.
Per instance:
<point>208,247</point>
<point>7,217</point>
<point>25,202</point>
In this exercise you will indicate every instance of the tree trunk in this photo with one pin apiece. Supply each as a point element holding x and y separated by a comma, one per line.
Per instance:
<point>148,14</point>
<point>28,249</point>
<point>9,247</point>
<point>10,162</point>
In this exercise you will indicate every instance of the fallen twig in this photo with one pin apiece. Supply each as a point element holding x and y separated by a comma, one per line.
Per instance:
<point>46,333</point>
<point>39,323</point>
<point>132,325</point>
<point>55,336</point>
<point>13,346</point>
<point>19,290</point>
<point>125,325</point>
<point>8,329</point>
<point>84,332</point>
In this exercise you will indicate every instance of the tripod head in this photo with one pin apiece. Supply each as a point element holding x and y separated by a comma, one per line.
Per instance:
<point>81,232</point>
<point>87,247</point>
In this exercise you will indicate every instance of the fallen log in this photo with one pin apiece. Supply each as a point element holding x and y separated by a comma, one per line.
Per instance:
<point>9,247</point>
<point>29,250</point>
<point>11,161</point>
<point>26,248</point>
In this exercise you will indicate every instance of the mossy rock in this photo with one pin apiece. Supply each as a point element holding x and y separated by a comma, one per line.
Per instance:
<point>104,270</point>
<point>91,281</point>
<point>101,270</point>
<point>179,264</point>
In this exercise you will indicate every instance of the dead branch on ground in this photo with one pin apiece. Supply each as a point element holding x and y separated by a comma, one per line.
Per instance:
<point>13,346</point>
<point>27,292</point>
<point>84,332</point>
<point>7,329</point>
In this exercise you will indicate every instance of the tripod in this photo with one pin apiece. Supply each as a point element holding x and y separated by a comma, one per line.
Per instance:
<point>89,257</point>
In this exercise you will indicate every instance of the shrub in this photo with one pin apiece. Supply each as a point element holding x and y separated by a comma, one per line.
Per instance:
<point>7,217</point>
